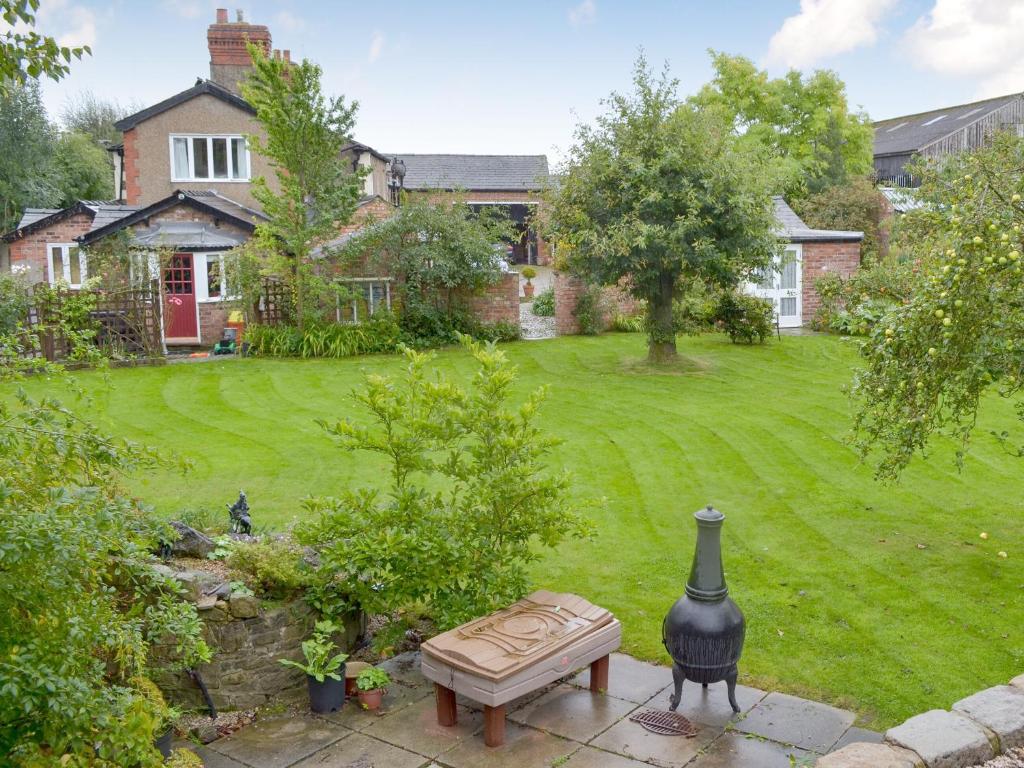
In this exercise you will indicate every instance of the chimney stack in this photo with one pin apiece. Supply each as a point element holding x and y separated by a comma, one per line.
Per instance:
<point>230,62</point>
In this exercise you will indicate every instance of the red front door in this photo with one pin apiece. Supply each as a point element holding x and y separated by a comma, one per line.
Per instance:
<point>180,321</point>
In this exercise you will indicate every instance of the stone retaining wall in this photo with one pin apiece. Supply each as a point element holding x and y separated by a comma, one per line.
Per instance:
<point>248,640</point>
<point>978,728</point>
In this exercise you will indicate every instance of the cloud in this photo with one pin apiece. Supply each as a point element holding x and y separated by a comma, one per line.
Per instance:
<point>976,38</point>
<point>376,46</point>
<point>826,28</point>
<point>187,9</point>
<point>584,13</point>
<point>289,22</point>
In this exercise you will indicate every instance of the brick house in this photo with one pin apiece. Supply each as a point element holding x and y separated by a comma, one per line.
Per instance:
<point>183,181</point>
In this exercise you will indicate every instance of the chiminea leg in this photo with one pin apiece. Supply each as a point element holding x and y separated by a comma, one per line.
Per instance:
<point>494,726</point>
<point>678,676</point>
<point>599,675</point>
<point>447,714</point>
<point>731,682</point>
<point>703,685</point>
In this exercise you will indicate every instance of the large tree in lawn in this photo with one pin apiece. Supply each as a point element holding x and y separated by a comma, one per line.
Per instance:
<point>303,134</point>
<point>659,193</point>
<point>929,363</point>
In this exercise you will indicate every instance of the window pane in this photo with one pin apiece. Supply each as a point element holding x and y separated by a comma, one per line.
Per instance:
<point>379,299</point>
<point>75,265</point>
<point>213,275</point>
<point>789,272</point>
<point>239,159</point>
<point>220,158</point>
<point>201,158</point>
<point>57,263</point>
<point>787,307</point>
<point>181,158</point>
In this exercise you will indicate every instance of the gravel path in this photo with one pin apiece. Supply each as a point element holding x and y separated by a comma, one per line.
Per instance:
<point>535,327</point>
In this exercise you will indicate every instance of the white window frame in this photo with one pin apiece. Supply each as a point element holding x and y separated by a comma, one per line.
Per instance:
<point>200,262</point>
<point>65,276</point>
<point>355,299</point>
<point>209,155</point>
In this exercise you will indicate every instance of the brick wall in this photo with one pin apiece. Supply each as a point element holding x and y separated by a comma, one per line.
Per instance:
<point>498,302</point>
<point>132,184</point>
<point>615,300</point>
<point>820,259</point>
<point>31,249</point>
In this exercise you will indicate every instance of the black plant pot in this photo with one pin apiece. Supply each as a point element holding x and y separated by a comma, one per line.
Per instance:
<point>328,696</point>
<point>163,742</point>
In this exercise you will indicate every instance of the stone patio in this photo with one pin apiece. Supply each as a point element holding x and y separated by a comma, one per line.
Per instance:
<point>561,725</point>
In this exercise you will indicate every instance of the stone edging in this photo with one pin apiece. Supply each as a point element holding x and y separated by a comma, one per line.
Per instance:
<point>978,728</point>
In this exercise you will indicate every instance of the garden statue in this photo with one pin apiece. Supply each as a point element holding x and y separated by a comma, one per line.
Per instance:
<point>239,511</point>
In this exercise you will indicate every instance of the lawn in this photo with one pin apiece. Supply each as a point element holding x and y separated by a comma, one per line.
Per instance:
<point>882,599</point>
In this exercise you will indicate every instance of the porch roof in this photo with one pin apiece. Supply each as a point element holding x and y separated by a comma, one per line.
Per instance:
<point>188,235</point>
<point>792,228</point>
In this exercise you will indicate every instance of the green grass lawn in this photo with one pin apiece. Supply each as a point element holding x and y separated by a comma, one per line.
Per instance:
<point>842,601</point>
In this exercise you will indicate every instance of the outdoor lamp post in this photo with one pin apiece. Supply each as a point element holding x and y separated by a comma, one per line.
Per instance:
<point>397,182</point>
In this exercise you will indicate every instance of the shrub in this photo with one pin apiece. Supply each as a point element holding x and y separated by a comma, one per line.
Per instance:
<point>588,311</point>
<point>855,305</point>
<point>544,303</point>
<point>468,502</point>
<point>14,303</point>
<point>528,272</point>
<point>629,323</point>
<point>378,334</point>
<point>427,328</point>
<point>745,318</point>
<point>274,568</point>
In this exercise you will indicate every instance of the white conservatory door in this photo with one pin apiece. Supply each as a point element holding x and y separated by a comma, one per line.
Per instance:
<point>782,286</point>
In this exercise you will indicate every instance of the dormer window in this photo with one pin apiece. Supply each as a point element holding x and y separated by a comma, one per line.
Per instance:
<point>209,158</point>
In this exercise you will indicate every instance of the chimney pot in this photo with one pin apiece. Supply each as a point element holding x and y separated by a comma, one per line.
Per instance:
<point>287,55</point>
<point>222,15</point>
<point>240,15</point>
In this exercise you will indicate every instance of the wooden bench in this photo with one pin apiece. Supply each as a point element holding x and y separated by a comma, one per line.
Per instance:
<point>510,653</point>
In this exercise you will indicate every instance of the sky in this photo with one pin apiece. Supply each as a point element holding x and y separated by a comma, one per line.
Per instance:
<point>517,77</point>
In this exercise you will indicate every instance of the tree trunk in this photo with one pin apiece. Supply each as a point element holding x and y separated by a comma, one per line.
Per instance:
<point>661,338</point>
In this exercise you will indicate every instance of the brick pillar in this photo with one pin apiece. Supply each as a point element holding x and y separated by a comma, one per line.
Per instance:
<point>567,292</point>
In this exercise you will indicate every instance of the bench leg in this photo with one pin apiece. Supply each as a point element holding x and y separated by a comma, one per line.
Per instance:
<point>599,675</point>
<point>494,726</point>
<point>446,712</point>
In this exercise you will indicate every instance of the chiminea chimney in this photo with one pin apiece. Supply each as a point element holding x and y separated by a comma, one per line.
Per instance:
<point>230,62</point>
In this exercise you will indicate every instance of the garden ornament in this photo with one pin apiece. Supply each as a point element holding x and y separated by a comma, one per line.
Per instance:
<point>239,511</point>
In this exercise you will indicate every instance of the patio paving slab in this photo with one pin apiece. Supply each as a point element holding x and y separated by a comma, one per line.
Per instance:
<point>633,740</point>
<point>589,757</point>
<point>418,731</point>
<point>630,679</point>
<point>710,706</point>
<point>405,667</point>
<point>857,735</point>
<point>210,758</point>
<point>362,751</point>
<point>573,712</point>
<point>524,747</point>
<point>398,697</point>
<point>791,720</point>
<point>738,750</point>
<point>279,742</point>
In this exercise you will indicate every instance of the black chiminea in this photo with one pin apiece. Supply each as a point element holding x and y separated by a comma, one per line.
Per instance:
<point>703,632</point>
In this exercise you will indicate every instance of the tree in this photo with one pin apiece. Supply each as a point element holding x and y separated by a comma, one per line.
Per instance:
<point>88,114</point>
<point>438,252</point>
<point>658,195</point>
<point>83,169</point>
<point>303,134</point>
<point>27,173</point>
<point>929,361</point>
<point>25,54</point>
<point>806,123</point>
<point>856,205</point>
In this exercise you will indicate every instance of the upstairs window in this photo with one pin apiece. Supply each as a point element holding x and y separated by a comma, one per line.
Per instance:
<point>209,158</point>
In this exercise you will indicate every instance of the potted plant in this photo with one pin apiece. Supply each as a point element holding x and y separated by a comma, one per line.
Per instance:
<point>529,273</point>
<point>352,670</point>
<point>325,670</point>
<point>371,684</point>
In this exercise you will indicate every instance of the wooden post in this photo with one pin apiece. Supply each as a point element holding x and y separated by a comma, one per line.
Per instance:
<point>599,675</point>
<point>494,726</point>
<point>447,715</point>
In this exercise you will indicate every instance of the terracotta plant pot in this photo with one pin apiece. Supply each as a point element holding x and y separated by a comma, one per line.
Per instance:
<point>352,670</point>
<point>370,700</point>
<point>328,696</point>
<point>528,290</point>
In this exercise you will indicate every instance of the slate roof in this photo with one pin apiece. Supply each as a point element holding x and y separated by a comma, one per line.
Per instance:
<point>195,235</point>
<point>909,133</point>
<point>506,173</point>
<point>792,228</point>
<point>201,87</point>
<point>32,215</point>
<point>103,213</point>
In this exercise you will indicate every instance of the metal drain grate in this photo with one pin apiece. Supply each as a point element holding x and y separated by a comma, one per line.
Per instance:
<point>665,723</point>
